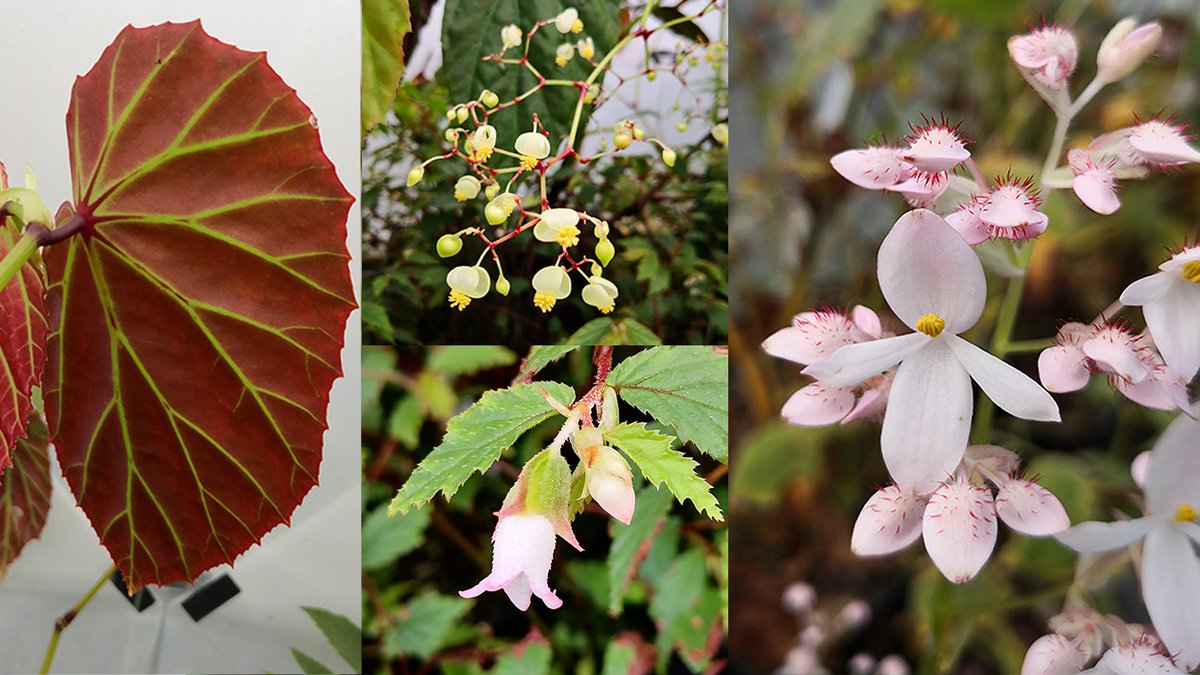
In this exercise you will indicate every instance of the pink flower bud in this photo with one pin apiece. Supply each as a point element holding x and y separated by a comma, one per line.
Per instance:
<point>610,482</point>
<point>1048,54</point>
<point>1125,48</point>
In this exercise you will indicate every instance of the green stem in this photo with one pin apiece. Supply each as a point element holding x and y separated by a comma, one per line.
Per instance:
<point>1029,346</point>
<point>16,257</point>
<point>1063,122</point>
<point>65,620</point>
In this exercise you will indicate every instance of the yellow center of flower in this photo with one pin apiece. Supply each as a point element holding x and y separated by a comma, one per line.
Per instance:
<point>1185,513</point>
<point>567,236</point>
<point>605,309</point>
<point>1191,271</point>
<point>528,162</point>
<point>577,26</point>
<point>560,61</point>
<point>931,324</point>
<point>459,300</point>
<point>460,196</point>
<point>482,154</point>
<point>543,302</point>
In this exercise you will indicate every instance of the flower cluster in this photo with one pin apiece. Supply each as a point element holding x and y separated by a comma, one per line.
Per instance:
<point>498,168</point>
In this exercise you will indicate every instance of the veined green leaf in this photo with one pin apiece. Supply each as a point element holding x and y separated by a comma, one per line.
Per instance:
<point>540,357</point>
<point>384,25</point>
<point>341,632</point>
<point>423,628</point>
<point>652,452</point>
<point>652,505</point>
<point>467,359</point>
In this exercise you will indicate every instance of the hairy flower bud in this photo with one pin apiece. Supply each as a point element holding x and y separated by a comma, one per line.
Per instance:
<point>1125,48</point>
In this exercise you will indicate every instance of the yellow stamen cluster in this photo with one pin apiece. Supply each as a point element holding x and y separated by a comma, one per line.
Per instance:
<point>460,196</point>
<point>931,324</point>
<point>1185,513</point>
<point>528,162</point>
<point>567,236</point>
<point>543,302</point>
<point>482,154</point>
<point>1191,271</point>
<point>577,26</point>
<point>606,309</point>
<point>459,300</point>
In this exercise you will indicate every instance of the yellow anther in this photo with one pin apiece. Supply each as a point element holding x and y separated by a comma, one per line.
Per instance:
<point>528,162</point>
<point>459,300</point>
<point>931,324</point>
<point>567,236</point>
<point>543,302</point>
<point>1185,513</point>
<point>482,154</point>
<point>577,26</point>
<point>605,309</point>
<point>1191,271</point>
<point>460,196</point>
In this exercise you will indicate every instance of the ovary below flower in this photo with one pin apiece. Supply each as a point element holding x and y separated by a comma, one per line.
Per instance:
<point>558,225</point>
<point>550,284</point>
<point>467,283</point>
<point>1170,301</point>
<point>925,268</point>
<point>601,294</point>
<point>1169,572</point>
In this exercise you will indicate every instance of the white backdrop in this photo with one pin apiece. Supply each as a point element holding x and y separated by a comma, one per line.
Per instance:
<point>315,46</point>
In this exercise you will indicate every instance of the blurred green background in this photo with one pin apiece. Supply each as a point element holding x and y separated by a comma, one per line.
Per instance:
<point>809,79</point>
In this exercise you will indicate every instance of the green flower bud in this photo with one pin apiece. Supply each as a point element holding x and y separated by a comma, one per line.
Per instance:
<point>502,286</point>
<point>494,212</point>
<point>491,190</point>
<point>463,114</point>
<point>652,75</point>
<point>415,176</point>
<point>597,270</point>
<point>448,245</point>
<point>489,98</point>
<point>668,157</point>
<point>682,126</point>
<point>605,251</point>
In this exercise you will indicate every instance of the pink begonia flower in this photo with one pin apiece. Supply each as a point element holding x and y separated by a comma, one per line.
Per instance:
<point>958,519</point>
<point>814,336</point>
<point>1053,654</point>
<point>1095,182</point>
<point>1170,572</point>
<point>885,167</point>
<point>1047,54</point>
<point>1128,361</point>
<point>1154,144</point>
<point>1143,656</point>
<point>522,550</point>
<point>1126,47</point>
<point>934,283</point>
<point>1170,301</point>
<point>935,147</point>
<point>1008,211</point>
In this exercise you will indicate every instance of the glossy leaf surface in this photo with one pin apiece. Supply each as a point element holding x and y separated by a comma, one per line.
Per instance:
<point>24,493</point>
<point>197,322</point>
<point>23,328</point>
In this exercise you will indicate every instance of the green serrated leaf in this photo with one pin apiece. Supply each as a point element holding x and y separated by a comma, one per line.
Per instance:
<point>652,505</point>
<point>540,357</point>
<point>309,665</point>
<point>404,424</point>
<point>342,633</point>
<point>527,658</point>
<point>592,332</point>
<point>685,387</point>
<point>385,539</point>
<point>384,25</point>
<point>467,359</point>
<point>632,332</point>
<point>475,439</point>
<point>619,658</point>
<point>423,629</point>
<point>652,452</point>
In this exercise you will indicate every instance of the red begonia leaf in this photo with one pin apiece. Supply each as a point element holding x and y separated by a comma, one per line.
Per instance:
<point>197,321</point>
<point>23,328</point>
<point>25,493</point>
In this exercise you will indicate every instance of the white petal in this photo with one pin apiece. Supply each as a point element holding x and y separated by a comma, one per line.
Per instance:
<point>518,592</point>
<point>523,547</point>
<point>1008,387</point>
<point>1053,655</point>
<point>811,337</point>
<point>925,266</point>
<point>1171,477</point>
<point>1096,537</point>
<point>1153,393</point>
<point>1063,368</point>
<point>890,521</point>
<point>1174,321</point>
<point>1139,467</point>
<point>872,403</point>
<point>1113,350</point>
<point>928,418</point>
<point>960,529</point>
<point>1138,658</point>
<point>872,168</point>
<point>1161,144</point>
<point>817,405</point>
<point>854,363</point>
<point>1171,590</point>
<point>969,226</point>
<point>1097,191</point>
<point>1147,289</point>
<point>866,320</point>
<point>1030,509</point>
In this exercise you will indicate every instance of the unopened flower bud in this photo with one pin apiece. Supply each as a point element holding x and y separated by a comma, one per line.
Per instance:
<point>652,76</point>
<point>491,190</point>
<point>451,135</point>
<point>511,36</point>
<point>463,114</point>
<point>799,598</point>
<point>564,53</point>
<point>720,132</point>
<point>592,92</point>
<point>489,98</point>
<point>502,285</point>
<point>682,126</point>
<point>668,157</point>
<point>415,176</point>
<point>448,245</point>
<point>600,293</point>
<point>622,135</point>
<point>609,481</point>
<point>597,270</point>
<point>494,213</point>
<point>605,251</point>
<point>1125,48</point>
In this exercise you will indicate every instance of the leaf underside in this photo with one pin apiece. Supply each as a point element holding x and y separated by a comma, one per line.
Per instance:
<point>23,327</point>
<point>198,320</point>
<point>25,493</point>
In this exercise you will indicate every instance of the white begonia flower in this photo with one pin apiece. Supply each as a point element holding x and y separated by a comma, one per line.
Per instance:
<point>1048,55</point>
<point>1170,301</point>
<point>467,283</point>
<point>935,147</point>
<point>550,284</point>
<point>558,225</point>
<point>1125,48</point>
<point>564,53</point>
<point>720,133</point>
<point>511,36</point>
<point>1095,183</point>
<point>1170,572</point>
<point>483,143</point>
<point>586,47</point>
<point>466,188</point>
<point>532,147</point>
<point>568,21</point>
<point>934,283</point>
<point>600,293</point>
<point>522,550</point>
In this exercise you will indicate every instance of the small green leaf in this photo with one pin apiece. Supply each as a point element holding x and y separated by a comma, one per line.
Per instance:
<point>467,359</point>
<point>341,632</point>
<point>540,357</point>
<point>425,626</point>
<point>684,387</point>
<point>310,665</point>
<point>651,506</point>
<point>435,394</point>
<point>527,658</point>
<point>384,25</point>
<point>652,452</point>
<point>385,539</point>
<point>475,439</point>
<point>404,424</point>
<point>592,332</point>
<point>676,595</point>
<point>619,658</point>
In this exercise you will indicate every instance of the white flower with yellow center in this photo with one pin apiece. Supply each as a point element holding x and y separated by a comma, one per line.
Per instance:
<point>511,36</point>
<point>532,147</point>
<point>558,225</point>
<point>550,284</point>
<point>601,294</point>
<point>1170,301</point>
<point>466,284</point>
<point>483,143</point>
<point>466,188</point>
<point>587,48</point>
<point>564,53</point>
<point>1169,570</point>
<point>568,21</point>
<point>934,283</point>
